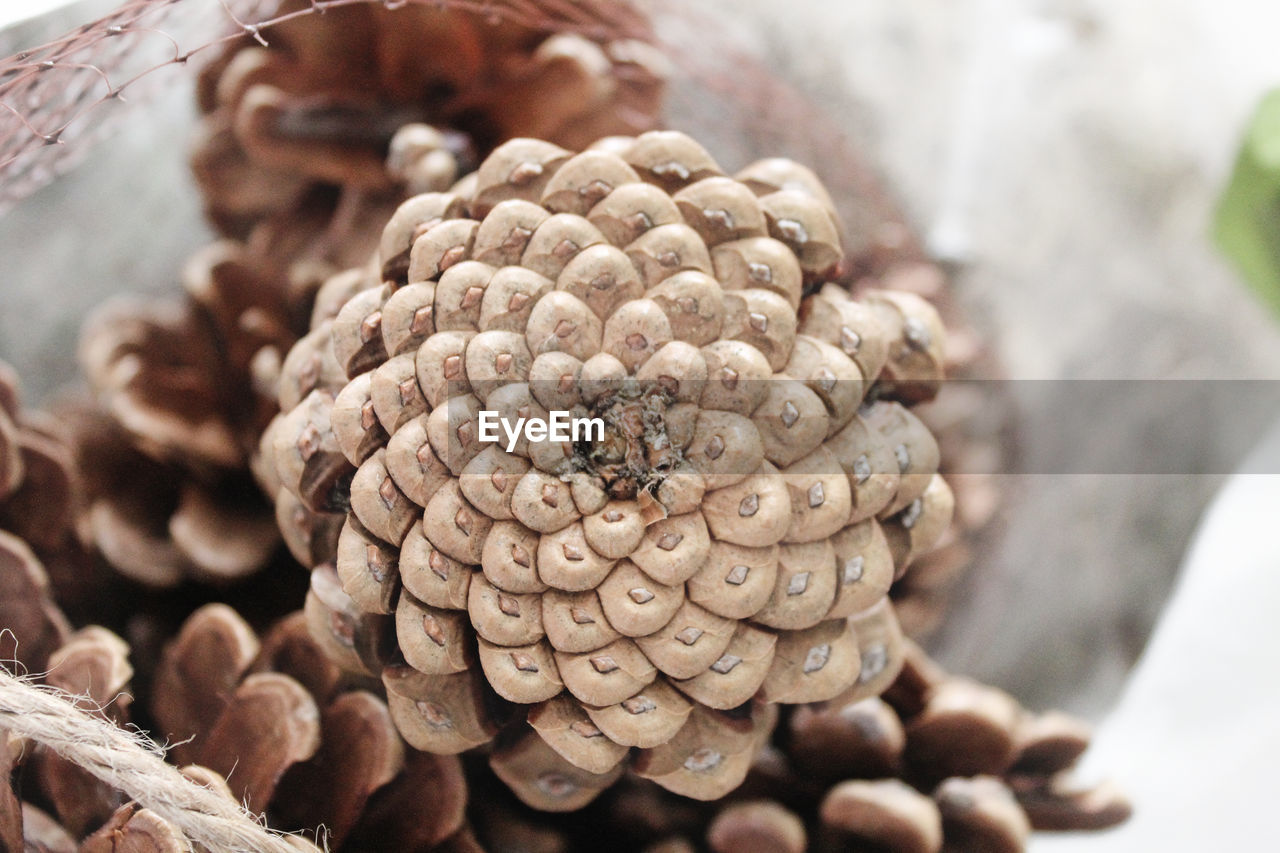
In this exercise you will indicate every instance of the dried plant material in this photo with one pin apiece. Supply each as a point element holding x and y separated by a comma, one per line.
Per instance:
<point>149,362</point>
<point>361,748</point>
<point>1057,805</point>
<point>981,814</point>
<point>711,753</point>
<point>43,833</point>
<point>269,724</point>
<point>308,751</point>
<point>398,815</point>
<point>321,104</point>
<point>543,779</point>
<point>38,545</point>
<point>164,464</point>
<point>288,648</point>
<point>569,730</point>
<point>1049,743</point>
<point>127,764</point>
<point>136,830</point>
<point>198,674</point>
<point>688,556</point>
<point>40,503</point>
<point>838,767</point>
<point>92,665</point>
<point>34,626</point>
<point>885,813</point>
<point>965,729</point>
<point>919,675</point>
<point>756,827</point>
<point>862,739</point>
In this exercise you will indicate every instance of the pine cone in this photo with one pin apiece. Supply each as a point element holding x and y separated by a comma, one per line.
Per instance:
<point>165,461</point>
<point>728,543</point>
<point>316,108</point>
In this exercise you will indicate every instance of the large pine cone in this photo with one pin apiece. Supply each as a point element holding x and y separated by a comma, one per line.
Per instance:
<point>729,542</point>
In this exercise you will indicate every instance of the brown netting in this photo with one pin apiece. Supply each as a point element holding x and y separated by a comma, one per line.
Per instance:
<point>58,98</point>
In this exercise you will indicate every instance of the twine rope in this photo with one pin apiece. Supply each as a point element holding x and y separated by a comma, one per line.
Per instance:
<point>131,763</point>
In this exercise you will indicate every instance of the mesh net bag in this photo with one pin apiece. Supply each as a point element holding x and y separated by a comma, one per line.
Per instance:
<point>310,138</point>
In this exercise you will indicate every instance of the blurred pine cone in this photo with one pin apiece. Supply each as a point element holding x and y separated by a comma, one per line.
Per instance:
<point>49,804</point>
<point>36,486</point>
<point>727,545</point>
<point>184,389</point>
<point>164,460</point>
<point>296,739</point>
<point>306,121</point>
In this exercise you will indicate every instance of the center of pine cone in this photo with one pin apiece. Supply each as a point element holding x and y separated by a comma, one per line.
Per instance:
<point>635,453</point>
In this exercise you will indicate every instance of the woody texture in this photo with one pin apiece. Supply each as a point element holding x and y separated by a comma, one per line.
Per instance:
<point>648,598</point>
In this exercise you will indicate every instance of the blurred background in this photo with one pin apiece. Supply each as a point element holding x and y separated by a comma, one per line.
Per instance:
<point>1063,159</point>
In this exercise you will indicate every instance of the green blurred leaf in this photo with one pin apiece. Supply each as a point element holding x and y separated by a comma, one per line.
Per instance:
<point>1247,223</point>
